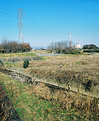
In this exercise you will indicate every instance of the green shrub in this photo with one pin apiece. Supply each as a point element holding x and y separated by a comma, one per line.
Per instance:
<point>26,64</point>
<point>91,46</point>
<point>91,50</point>
<point>71,51</point>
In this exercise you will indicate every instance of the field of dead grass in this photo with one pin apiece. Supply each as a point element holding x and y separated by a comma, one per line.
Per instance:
<point>78,67</point>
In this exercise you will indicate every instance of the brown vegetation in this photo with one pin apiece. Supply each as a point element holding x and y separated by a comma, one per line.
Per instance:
<point>78,68</point>
<point>69,100</point>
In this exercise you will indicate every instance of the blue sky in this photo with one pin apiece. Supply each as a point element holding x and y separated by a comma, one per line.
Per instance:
<point>46,21</point>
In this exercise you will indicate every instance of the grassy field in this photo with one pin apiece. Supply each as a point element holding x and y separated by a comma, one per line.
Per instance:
<point>31,107</point>
<point>38,103</point>
<point>17,54</point>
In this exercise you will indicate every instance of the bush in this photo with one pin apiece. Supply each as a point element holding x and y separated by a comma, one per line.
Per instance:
<point>91,46</point>
<point>91,50</point>
<point>71,51</point>
<point>26,64</point>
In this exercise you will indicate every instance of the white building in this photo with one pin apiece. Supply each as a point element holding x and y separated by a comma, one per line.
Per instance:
<point>78,45</point>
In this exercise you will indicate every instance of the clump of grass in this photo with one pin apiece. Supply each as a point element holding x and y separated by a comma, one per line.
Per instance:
<point>42,91</point>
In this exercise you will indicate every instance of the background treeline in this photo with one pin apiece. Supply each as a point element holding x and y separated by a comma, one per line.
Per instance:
<point>14,47</point>
<point>90,48</point>
<point>65,47</point>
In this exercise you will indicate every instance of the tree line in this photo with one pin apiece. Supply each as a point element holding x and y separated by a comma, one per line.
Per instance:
<point>65,47</point>
<point>90,48</point>
<point>14,47</point>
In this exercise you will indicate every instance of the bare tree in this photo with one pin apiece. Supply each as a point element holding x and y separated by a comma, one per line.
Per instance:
<point>63,47</point>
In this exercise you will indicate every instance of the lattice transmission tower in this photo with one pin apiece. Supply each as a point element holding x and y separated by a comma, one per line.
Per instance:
<point>70,42</point>
<point>69,36</point>
<point>20,25</point>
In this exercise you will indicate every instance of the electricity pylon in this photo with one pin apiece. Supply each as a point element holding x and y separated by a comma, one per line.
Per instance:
<point>20,25</point>
<point>70,42</point>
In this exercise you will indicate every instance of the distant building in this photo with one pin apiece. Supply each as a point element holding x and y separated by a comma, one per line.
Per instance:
<point>78,45</point>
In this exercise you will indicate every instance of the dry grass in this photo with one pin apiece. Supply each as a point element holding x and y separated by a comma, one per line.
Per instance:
<point>75,67</point>
<point>79,68</point>
<point>69,62</point>
<point>56,104</point>
<point>82,67</point>
<point>42,91</point>
<point>31,108</point>
<point>68,100</point>
<point>41,51</point>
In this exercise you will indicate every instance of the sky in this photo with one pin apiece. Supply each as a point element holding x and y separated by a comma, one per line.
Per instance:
<point>46,21</point>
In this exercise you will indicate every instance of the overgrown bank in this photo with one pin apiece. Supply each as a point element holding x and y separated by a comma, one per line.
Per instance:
<point>71,82</point>
<point>34,108</point>
<point>36,102</point>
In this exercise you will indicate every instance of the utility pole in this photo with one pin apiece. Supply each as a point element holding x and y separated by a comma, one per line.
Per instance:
<point>20,25</point>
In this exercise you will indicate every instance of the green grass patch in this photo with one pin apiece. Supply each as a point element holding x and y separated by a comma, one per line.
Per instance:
<point>17,54</point>
<point>10,65</point>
